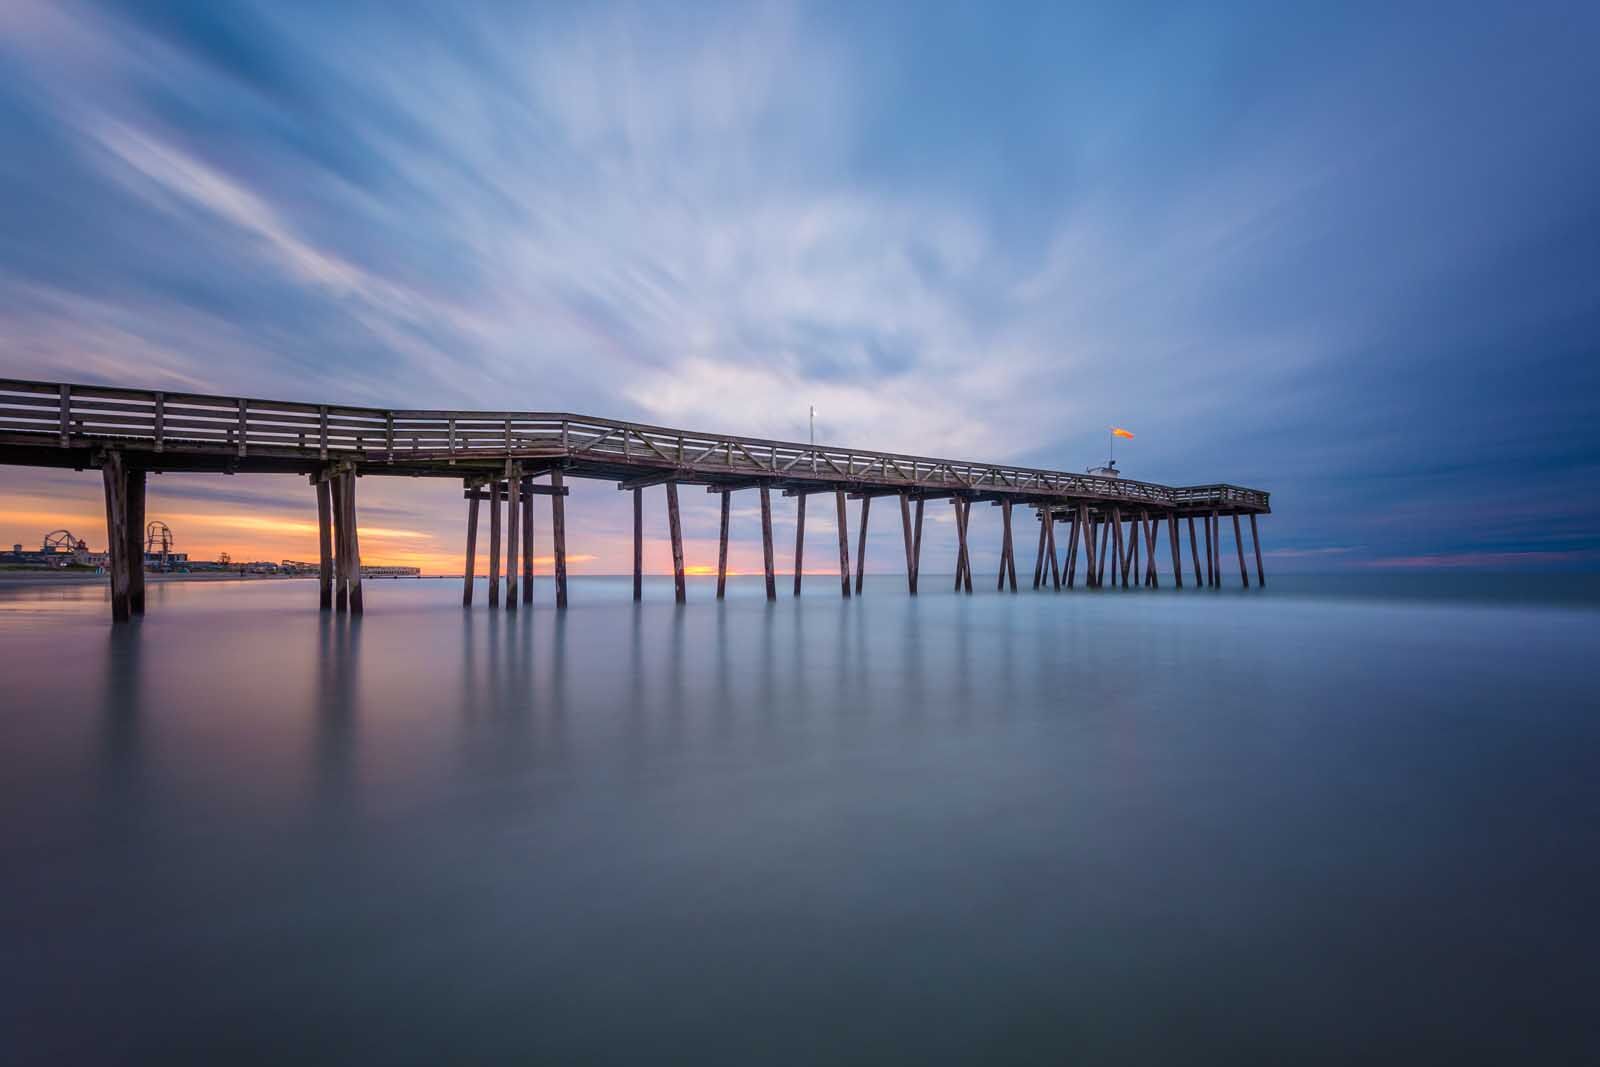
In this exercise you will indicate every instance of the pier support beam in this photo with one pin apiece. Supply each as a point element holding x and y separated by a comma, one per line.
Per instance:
<point>675,529</point>
<point>799,540</point>
<point>1194,551</point>
<point>494,544</point>
<point>1238,544</point>
<point>1152,529</point>
<point>963,556</point>
<point>527,540</point>
<point>325,544</point>
<point>1038,558</point>
<point>1255,541</point>
<point>352,542</point>
<point>766,542</point>
<point>1211,561</point>
<point>558,534</point>
<point>844,543</point>
<point>136,481</point>
<point>905,532</point>
<point>513,527</point>
<point>916,549</point>
<point>1118,552</point>
<point>722,547</point>
<point>1174,549</point>
<point>114,474</point>
<point>861,544</point>
<point>638,544</point>
<point>1216,549</point>
<point>1050,547</point>
<point>1080,522</point>
<point>341,571</point>
<point>472,546</point>
<point>1008,555</point>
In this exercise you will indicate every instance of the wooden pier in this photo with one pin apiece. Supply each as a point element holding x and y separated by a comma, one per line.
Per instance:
<point>507,458</point>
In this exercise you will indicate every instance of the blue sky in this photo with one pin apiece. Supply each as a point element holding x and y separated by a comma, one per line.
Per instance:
<point>1349,254</point>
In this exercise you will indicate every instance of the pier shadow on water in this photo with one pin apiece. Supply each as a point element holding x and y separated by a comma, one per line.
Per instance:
<point>1150,827</point>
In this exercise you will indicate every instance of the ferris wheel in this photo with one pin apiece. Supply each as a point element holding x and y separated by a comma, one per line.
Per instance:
<point>158,541</point>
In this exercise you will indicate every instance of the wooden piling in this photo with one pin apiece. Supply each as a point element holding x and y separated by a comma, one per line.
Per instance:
<point>1103,535</point>
<point>1080,522</point>
<point>722,547</point>
<point>766,542</point>
<point>861,544</point>
<point>1174,550</point>
<point>558,534</point>
<point>1238,544</point>
<point>324,543</point>
<point>494,544</point>
<point>1038,557</point>
<point>1008,552</point>
<point>916,549</point>
<point>1194,552</point>
<point>472,545</point>
<point>1050,547</point>
<point>1211,571</point>
<point>527,540</point>
<point>341,570</point>
<point>513,528</point>
<point>844,543</point>
<point>1255,541</point>
<point>799,540</point>
<point>963,554</point>
<point>680,592</point>
<point>135,477</point>
<point>1152,530</point>
<point>113,475</point>
<point>352,542</point>
<point>1216,548</point>
<point>905,533</point>
<point>638,543</point>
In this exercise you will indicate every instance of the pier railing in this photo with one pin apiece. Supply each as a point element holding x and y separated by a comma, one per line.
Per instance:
<point>74,415</point>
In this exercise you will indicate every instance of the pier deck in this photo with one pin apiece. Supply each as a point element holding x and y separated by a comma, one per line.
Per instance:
<point>498,454</point>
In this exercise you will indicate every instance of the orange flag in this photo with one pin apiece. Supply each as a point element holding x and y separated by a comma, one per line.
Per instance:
<point>1118,431</point>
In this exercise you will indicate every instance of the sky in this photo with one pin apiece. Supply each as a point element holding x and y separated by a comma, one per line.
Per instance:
<point>1349,254</point>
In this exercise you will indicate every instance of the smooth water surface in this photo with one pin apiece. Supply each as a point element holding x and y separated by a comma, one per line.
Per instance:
<point>1312,822</point>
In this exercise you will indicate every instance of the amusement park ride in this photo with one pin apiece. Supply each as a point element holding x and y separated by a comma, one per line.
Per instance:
<point>64,546</point>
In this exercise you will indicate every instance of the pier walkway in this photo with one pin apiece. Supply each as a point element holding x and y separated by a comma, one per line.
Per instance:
<point>506,458</point>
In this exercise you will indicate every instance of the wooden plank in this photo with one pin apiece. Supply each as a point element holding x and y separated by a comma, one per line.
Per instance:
<point>844,543</point>
<point>1255,541</point>
<point>558,534</point>
<point>799,541</point>
<point>324,546</point>
<point>1238,544</point>
<point>861,544</point>
<point>766,541</point>
<point>680,592</point>
<point>494,544</point>
<point>472,550</point>
<point>722,547</point>
<point>638,544</point>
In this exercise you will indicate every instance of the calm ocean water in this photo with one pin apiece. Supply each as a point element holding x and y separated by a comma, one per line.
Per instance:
<point>1339,819</point>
